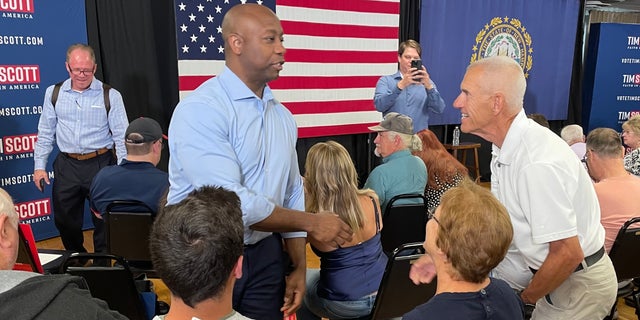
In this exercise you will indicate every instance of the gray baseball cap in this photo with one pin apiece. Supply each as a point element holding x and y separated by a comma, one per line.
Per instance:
<point>394,121</point>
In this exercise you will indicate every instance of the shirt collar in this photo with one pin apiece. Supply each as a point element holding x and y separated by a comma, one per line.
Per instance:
<point>512,140</point>
<point>238,90</point>
<point>95,85</point>
<point>398,154</point>
<point>133,163</point>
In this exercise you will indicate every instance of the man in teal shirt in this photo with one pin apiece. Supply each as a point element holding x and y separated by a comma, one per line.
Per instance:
<point>400,171</point>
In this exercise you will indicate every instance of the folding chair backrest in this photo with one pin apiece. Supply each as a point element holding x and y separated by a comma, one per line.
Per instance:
<point>113,284</point>
<point>403,223</point>
<point>626,250</point>
<point>397,294</point>
<point>28,259</point>
<point>127,231</point>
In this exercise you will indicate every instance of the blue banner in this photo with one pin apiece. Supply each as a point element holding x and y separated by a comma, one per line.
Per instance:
<point>611,91</point>
<point>539,34</point>
<point>34,36</point>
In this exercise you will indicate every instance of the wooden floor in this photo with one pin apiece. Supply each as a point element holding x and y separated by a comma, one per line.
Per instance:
<point>624,312</point>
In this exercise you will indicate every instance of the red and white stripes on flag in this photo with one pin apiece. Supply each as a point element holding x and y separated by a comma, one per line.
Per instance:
<point>336,52</point>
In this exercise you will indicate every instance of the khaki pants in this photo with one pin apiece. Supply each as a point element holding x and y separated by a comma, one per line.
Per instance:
<point>586,294</point>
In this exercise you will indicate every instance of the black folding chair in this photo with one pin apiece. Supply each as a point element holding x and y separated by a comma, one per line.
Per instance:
<point>624,256</point>
<point>127,227</point>
<point>403,222</point>
<point>397,294</point>
<point>112,283</point>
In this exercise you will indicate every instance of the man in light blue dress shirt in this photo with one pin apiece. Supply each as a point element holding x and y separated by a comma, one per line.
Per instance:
<point>232,132</point>
<point>86,135</point>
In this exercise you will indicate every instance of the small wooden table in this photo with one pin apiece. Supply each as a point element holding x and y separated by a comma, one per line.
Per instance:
<point>465,147</point>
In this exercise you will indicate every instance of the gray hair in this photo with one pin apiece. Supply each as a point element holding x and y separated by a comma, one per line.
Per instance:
<point>7,208</point>
<point>503,74</point>
<point>606,142</point>
<point>632,124</point>
<point>572,134</point>
<point>409,141</point>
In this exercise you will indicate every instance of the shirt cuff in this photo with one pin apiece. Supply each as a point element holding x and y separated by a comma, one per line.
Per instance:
<point>298,234</point>
<point>39,165</point>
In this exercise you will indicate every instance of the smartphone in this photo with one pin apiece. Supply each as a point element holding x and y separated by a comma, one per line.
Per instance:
<point>42,185</point>
<point>416,64</point>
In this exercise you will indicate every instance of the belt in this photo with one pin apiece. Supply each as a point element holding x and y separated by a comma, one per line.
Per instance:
<point>86,156</point>
<point>589,261</point>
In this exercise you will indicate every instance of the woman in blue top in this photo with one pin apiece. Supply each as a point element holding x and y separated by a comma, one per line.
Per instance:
<point>349,276</point>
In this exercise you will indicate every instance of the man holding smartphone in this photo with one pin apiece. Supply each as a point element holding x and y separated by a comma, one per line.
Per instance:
<point>410,91</point>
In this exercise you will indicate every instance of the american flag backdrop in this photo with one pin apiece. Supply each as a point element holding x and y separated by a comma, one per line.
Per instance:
<point>336,51</point>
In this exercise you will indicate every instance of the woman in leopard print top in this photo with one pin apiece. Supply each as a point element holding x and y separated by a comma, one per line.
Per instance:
<point>444,171</point>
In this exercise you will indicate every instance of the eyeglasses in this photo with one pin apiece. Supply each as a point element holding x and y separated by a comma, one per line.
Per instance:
<point>586,156</point>
<point>431,214</point>
<point>83,72</point>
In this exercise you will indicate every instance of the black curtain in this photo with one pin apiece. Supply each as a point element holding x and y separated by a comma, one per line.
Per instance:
<point>410,20</point>
<point>574,112</point>
<point>357,145</point>
<point>135,50</point>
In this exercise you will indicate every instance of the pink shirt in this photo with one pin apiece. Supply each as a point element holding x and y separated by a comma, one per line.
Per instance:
<point>618,199</point>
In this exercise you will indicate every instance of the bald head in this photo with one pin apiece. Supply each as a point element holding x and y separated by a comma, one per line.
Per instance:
<point>253,45</point>
<point>239,17</point>
<point>502,75</point>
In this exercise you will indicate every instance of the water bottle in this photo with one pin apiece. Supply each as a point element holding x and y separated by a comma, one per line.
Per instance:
<point>456,136</point>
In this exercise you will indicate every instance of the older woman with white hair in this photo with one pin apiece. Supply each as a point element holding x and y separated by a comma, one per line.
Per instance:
<point>631,138</point>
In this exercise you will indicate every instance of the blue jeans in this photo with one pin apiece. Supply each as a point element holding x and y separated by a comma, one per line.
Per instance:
<point>315,307</point>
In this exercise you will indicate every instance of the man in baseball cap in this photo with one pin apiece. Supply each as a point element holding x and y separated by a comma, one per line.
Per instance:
<point>143,130</point>
<point>400,171</point>
<point>136,177</point>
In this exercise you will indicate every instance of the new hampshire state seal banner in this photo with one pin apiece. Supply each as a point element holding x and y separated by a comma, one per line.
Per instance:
<point>539,34</point>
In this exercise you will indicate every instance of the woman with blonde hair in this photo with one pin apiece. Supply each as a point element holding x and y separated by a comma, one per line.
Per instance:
<point>444,171</point>
<point>631,138</point>
<point>349,276</point>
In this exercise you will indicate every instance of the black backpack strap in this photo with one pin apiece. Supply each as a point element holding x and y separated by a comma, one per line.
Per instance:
<point>56,91</point>
<point>107,106</point>
<point>105,91</point>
